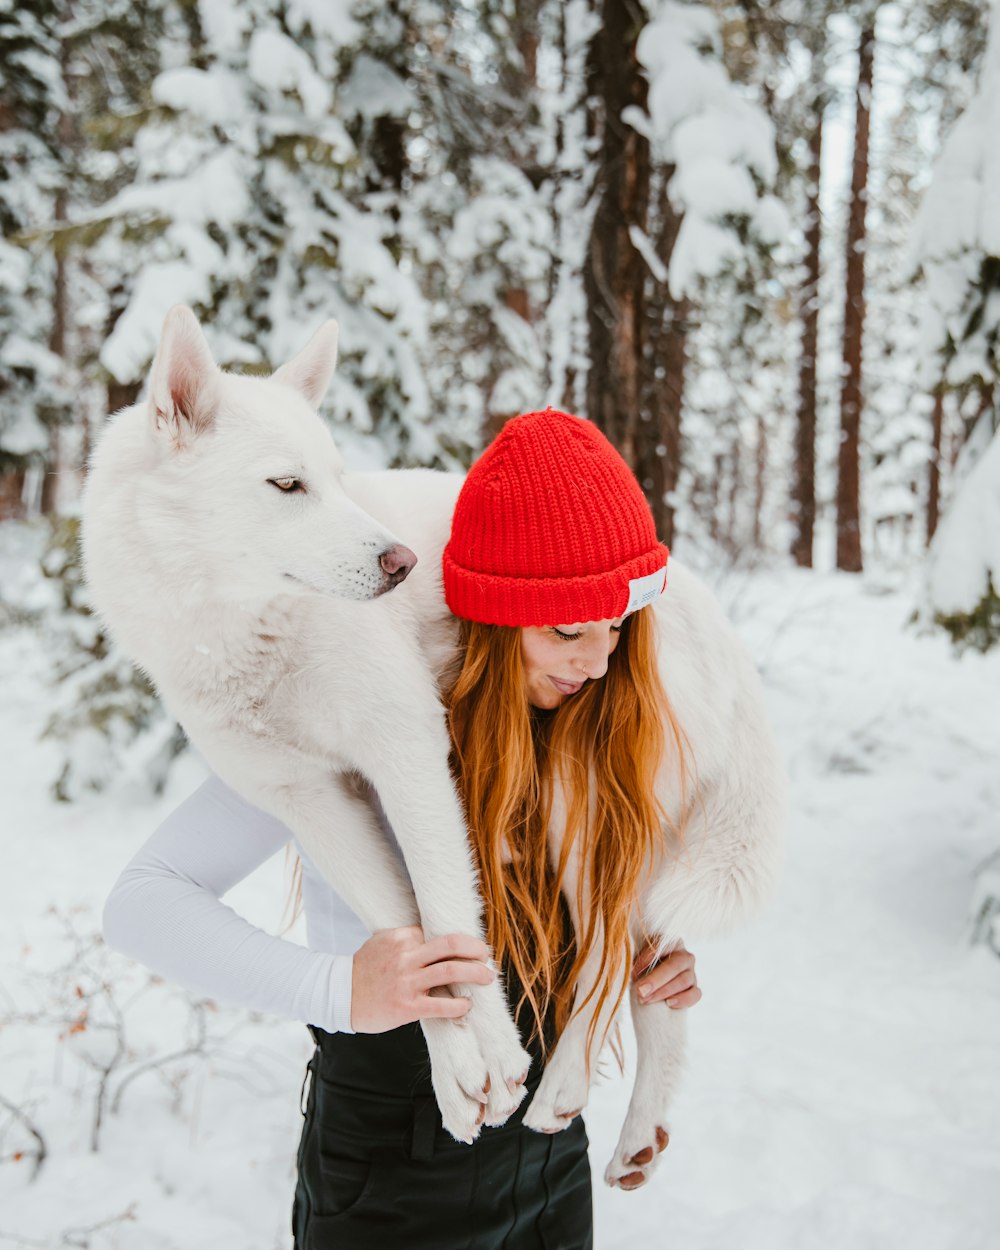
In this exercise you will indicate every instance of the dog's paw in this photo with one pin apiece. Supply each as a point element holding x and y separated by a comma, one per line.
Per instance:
<point>507,1087</point>
<point>508,1064</point>
<point>460,1078</point>
<point>462,1112</point>
<point>506,1059</point>
<point>561,1094</point>
<point>637,1154</point>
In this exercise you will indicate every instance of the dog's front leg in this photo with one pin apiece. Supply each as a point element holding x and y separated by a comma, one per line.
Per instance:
<point>338,830</point>
<point>420,801</point>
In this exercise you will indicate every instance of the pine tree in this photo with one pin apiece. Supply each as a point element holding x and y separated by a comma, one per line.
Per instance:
<point>33,397</point>
<point>958,246</point>
<point>710,221</point>
<point>849,555</point>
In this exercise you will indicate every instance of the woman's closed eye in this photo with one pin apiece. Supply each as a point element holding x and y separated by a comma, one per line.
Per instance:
<point>615,629</point>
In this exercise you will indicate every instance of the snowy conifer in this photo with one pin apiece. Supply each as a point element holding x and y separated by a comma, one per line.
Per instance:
<point>957,244</point>
<point>32,394</point>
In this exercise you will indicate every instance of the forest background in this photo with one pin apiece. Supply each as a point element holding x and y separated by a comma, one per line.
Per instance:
<point>757,244</point>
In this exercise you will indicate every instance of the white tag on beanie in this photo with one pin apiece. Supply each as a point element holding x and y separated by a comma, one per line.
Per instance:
<point>643,590</point>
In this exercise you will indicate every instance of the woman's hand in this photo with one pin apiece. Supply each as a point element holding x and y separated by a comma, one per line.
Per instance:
<point>395,971</point>
<point>672,980</point>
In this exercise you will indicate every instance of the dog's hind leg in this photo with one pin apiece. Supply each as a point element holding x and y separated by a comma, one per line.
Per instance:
<point>660,1035</point>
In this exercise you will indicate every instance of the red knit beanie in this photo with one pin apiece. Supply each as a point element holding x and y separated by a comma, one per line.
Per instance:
<point>551,528</point>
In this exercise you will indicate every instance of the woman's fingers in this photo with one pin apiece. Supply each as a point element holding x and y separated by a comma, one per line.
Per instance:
<point>452,972</point>
<point>442,1005</point>
<point>660,984</point>
<point>451,946</point>
<point>672,980</point>
<point>687,999</point>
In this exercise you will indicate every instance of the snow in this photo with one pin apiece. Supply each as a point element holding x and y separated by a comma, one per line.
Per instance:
<point>325,17</point>
<point>224,23</point>
<point>702,247</point>
<point>713,186</point>
<point>966,547</point>
<point>959,209</point>
<point>643,244</point>
<point>278,64</point>
<point>216,94</point>
<point>957,228</point>
<point>841,1080</point>
<point>214,191</point>
<point>721,143</point>
<point>771,220</point>
<point>132,344</point>
<point>373,90</point>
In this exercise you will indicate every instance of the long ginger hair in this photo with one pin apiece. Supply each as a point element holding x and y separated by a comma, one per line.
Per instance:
<point>507,758</point>
<point>614,735</point>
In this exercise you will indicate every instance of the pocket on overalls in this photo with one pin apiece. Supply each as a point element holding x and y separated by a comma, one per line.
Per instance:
<point>345,1183</point>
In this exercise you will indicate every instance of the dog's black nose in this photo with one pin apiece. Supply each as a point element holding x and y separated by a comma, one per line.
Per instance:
<point>397,561</point>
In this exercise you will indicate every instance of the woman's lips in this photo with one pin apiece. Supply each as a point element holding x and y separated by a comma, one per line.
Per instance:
<point>566,687</point>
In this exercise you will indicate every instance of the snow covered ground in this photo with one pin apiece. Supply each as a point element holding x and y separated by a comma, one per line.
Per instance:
<point>842,1088</point>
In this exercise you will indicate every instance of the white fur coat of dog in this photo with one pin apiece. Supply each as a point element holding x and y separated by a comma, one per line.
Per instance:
<point>245,571</point>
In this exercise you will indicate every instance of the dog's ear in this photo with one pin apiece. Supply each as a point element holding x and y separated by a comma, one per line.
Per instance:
<point>184,380</point>
<point>310,371</point>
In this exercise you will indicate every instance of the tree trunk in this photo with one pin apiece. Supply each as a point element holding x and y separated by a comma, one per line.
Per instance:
<point>934,467</point>
<point>614,273</point>
<point>658,436</point>
<point>848,485</point>
<point>57,333</point>
<point>520,80</point>
<point>804,468</point>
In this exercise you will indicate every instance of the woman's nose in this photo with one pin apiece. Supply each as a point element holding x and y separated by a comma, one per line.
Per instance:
<point>593,662</point>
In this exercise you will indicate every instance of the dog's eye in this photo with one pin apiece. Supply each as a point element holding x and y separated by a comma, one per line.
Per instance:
<point>288,484</point>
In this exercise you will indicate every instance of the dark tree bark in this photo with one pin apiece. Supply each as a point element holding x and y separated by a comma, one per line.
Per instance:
<point>57,345</point>
<point>614,272</point>
<point>803,494</point>
<point>520,80</point>
<point>60,294</point>
<point>658,434</point>
<point>848,484</point>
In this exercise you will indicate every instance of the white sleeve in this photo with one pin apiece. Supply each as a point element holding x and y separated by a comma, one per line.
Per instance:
<point>165,911</point>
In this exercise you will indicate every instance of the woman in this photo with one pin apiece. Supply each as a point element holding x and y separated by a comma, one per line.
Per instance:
<point>552,553</point>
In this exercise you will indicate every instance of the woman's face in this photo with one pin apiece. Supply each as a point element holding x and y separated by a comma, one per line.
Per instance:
<point>558,659</point>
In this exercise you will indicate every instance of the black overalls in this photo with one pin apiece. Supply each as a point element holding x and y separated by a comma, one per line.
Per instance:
<point>377,1170</point>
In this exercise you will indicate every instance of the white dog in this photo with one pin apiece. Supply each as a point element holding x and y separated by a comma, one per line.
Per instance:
<point>245,571</point>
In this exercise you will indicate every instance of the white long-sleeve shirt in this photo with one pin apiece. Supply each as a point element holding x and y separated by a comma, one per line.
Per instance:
<point>165,911</point>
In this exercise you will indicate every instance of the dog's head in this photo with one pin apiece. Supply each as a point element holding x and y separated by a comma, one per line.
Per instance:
<point>250,472</point>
